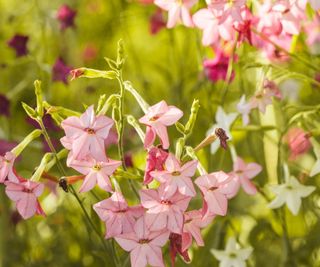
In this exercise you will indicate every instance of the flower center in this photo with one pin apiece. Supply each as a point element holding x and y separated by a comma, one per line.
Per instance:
<point>121,211</point>
<point>144,241</point>
<point>166,202</point>
<point>175,173</point>
<point>213,188</point>
<point>97,167</point>
<point>239,172</point>
<point>232,255</point>
<point>90,131</point>
<point>26,190</point>
<point>154,118</point>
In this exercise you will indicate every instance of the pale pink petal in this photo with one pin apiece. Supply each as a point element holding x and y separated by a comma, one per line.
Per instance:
<point>173,15</point>
<point>217,203</point>
<point>159,239</point>
<point>150,137</point>
<point>127,241</point>
<point>149,198</point>
<point>189,168</point>
<point>252,170</point>
<point>89,182</point>
<point>248,186</point>
<point>27,206</point>
<point>161,131</point>
<point>154,256</point>
<point>138,256</point>
<point>171,116</point>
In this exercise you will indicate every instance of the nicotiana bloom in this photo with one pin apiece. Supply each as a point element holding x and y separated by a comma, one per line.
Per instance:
<point>25,193</point>
<point>87,134</point>
<point>224,121</point>
<point>290,193</point>
<point>157,119</point>
<point>233,255</point>
<point>6,167</point>
<point>144,245</point>
<point>117,215</point>
<point>97,172</point>
<point>176,177</point>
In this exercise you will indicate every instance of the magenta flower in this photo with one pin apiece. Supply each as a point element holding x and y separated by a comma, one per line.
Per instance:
<point>97,172</point>
<point>157,119</point>
<point>19,44</point>
<point>144,245</point>
<point>157,22</point>
<point>66,16</point>
<point>298,141</point>
<point>212,29</point>
<point>216,69</point>
<point>193,223</point>
<point>60,71</point>
<point>25,194</point>
<point>6,168</point>
<point>178,10</point>
<point>117,215</point>
<point>4,106</point>
<point>215,188</point>
<point>87,134</point>
<point>164,212</point>
<point>176,247</point>
<point>177,177</point>
<point>242,174</point>
<point>6,146</point>
<point>155,162</point>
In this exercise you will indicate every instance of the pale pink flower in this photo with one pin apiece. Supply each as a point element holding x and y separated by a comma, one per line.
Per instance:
<point>193,223</point>
<point>97,172</point>
<point>298,141</point>
<point>178,10</point>
<point>313,30</point>
<point>243,173</point>
<point>164,212</point>
<point>261,100</point>
<point>215,188</point>
<point>25,194</point>
<point>177,177</point>
<point>224,9</point>
<point>87,134</point>
<point>6,167</point>
<point>244,108</point>
<point>117,215</point>
<point>315,4</point>
<point>157,119</point>
<point>155,162</point>
<point>272,88</point>
<point>144,245</point>
<point>212,29</point>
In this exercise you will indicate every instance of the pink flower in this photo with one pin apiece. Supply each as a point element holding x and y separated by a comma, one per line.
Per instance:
<point>66,16</point>
<point>96,172</point>
<point>164,212</point>
<point>6,168</point>
<point>157,119</point>
<point>224,9</point>
<point>205,20</point>
<point>244,109</point>
<point>261,100</point>
<point>193,223</point>
<point>157,22</point>
<point>144,245</point>
<point>177,177</point>
<point>272,88</point>
<point>117,215</point>
<point>312,31</point>
<point>25,194</point>
<point>216,69</point>
<point>87,134</point>
<point>298,141</point>
<point>178,10</point>
<point>215,188</point>
<point>243,173</point>
<point>155,162</point>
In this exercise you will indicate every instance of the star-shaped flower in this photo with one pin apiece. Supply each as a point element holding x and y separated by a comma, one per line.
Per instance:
<point>316,166</point>
<point>224,121</point>
<point>6,167</point>
<point>232,256</point>
<point>290,193</point>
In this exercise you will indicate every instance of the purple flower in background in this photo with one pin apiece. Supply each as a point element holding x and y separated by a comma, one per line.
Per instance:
<point>4,105</point>
<point>66,16</point>
<point>48,122</point>
<point>216,69</point>
<point>19,44</point>
<point>60,71</point>
<point>6,146</point>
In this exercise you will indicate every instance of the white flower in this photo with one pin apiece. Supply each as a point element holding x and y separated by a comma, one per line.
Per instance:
<point>223,121</point>
<point>233,255</point>
<point>244,109</point>
<point>290,193</point>
<point>316,149</point>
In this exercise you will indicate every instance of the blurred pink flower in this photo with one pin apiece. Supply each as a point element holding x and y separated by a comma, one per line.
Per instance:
<point>60,71</point>
<point>261,100</point>
<point>157,22</point>
<point>272,88</point>
<point>144,245</point>
<point>19,43</point>
<point>225,9</point>
<point>242,174</point>
<point>216,69</point>
<point>244,109</point>
<point>87,134</point>
<point>96,172</point>
<point>90,52</point>
<point>25,194</point>
<point>298,141</point>
<point>66,16</point>
<point>178,10</point>
<point>6,146</point>
<point>117,215</point>
<point>6,168</point>
<point>157,119</point>
<point>215,188</point>
<point>164,212</point>
<point>155,162</point>
<point>176,177</point>
<point>193,223</point>
<point>312,30</point>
